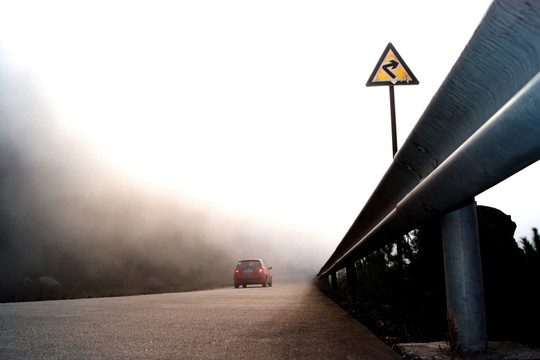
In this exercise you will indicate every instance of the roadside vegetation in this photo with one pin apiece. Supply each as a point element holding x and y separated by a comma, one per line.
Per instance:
<point>402,299</point>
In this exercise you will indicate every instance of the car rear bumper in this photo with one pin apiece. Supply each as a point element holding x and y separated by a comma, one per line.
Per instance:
<point>250,280</point>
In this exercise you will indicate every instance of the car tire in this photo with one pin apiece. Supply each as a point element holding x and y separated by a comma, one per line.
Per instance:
<point>236,286</point>
<point>270,283</point>
<point>264,283</point>
<point>244,286</point>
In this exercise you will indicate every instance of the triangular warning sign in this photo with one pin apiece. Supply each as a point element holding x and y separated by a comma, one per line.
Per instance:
<point>391,70</point>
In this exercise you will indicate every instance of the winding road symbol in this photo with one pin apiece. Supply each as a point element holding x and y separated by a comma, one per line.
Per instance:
<point>392,64</point>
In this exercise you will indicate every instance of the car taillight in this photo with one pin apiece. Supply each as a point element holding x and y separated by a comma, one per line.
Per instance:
<point>236,270</point>
<point>260,270</point>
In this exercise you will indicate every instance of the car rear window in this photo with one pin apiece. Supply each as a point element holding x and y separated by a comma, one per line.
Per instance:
<point>249,264</point>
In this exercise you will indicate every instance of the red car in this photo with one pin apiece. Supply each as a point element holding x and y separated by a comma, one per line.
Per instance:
<point>252,272</point>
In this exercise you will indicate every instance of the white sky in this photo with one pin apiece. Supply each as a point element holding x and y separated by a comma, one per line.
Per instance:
<point>253,108</point>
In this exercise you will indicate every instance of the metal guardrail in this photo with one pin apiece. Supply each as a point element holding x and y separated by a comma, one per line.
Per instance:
<point>481,127</point>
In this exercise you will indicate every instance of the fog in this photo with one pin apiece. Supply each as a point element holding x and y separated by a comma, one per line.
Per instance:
<point>148,147</point>
<point>72,225</point>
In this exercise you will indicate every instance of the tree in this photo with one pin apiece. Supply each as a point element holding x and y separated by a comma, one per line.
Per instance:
<point>532,248</point>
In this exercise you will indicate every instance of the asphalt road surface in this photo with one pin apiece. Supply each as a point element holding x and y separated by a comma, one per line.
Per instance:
<point>285,321</point>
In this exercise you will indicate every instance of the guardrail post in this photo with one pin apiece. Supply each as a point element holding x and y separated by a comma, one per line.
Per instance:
<point>463,272</point>
<point>324,284</point>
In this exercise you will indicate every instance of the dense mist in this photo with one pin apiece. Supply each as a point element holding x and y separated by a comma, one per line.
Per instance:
<point>71,225</point>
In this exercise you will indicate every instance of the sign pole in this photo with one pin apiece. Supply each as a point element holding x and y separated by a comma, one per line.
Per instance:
<point>391,70</point>
<point>393,120</point>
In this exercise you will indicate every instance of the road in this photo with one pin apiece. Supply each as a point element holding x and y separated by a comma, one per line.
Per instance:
<point>285,321</point>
